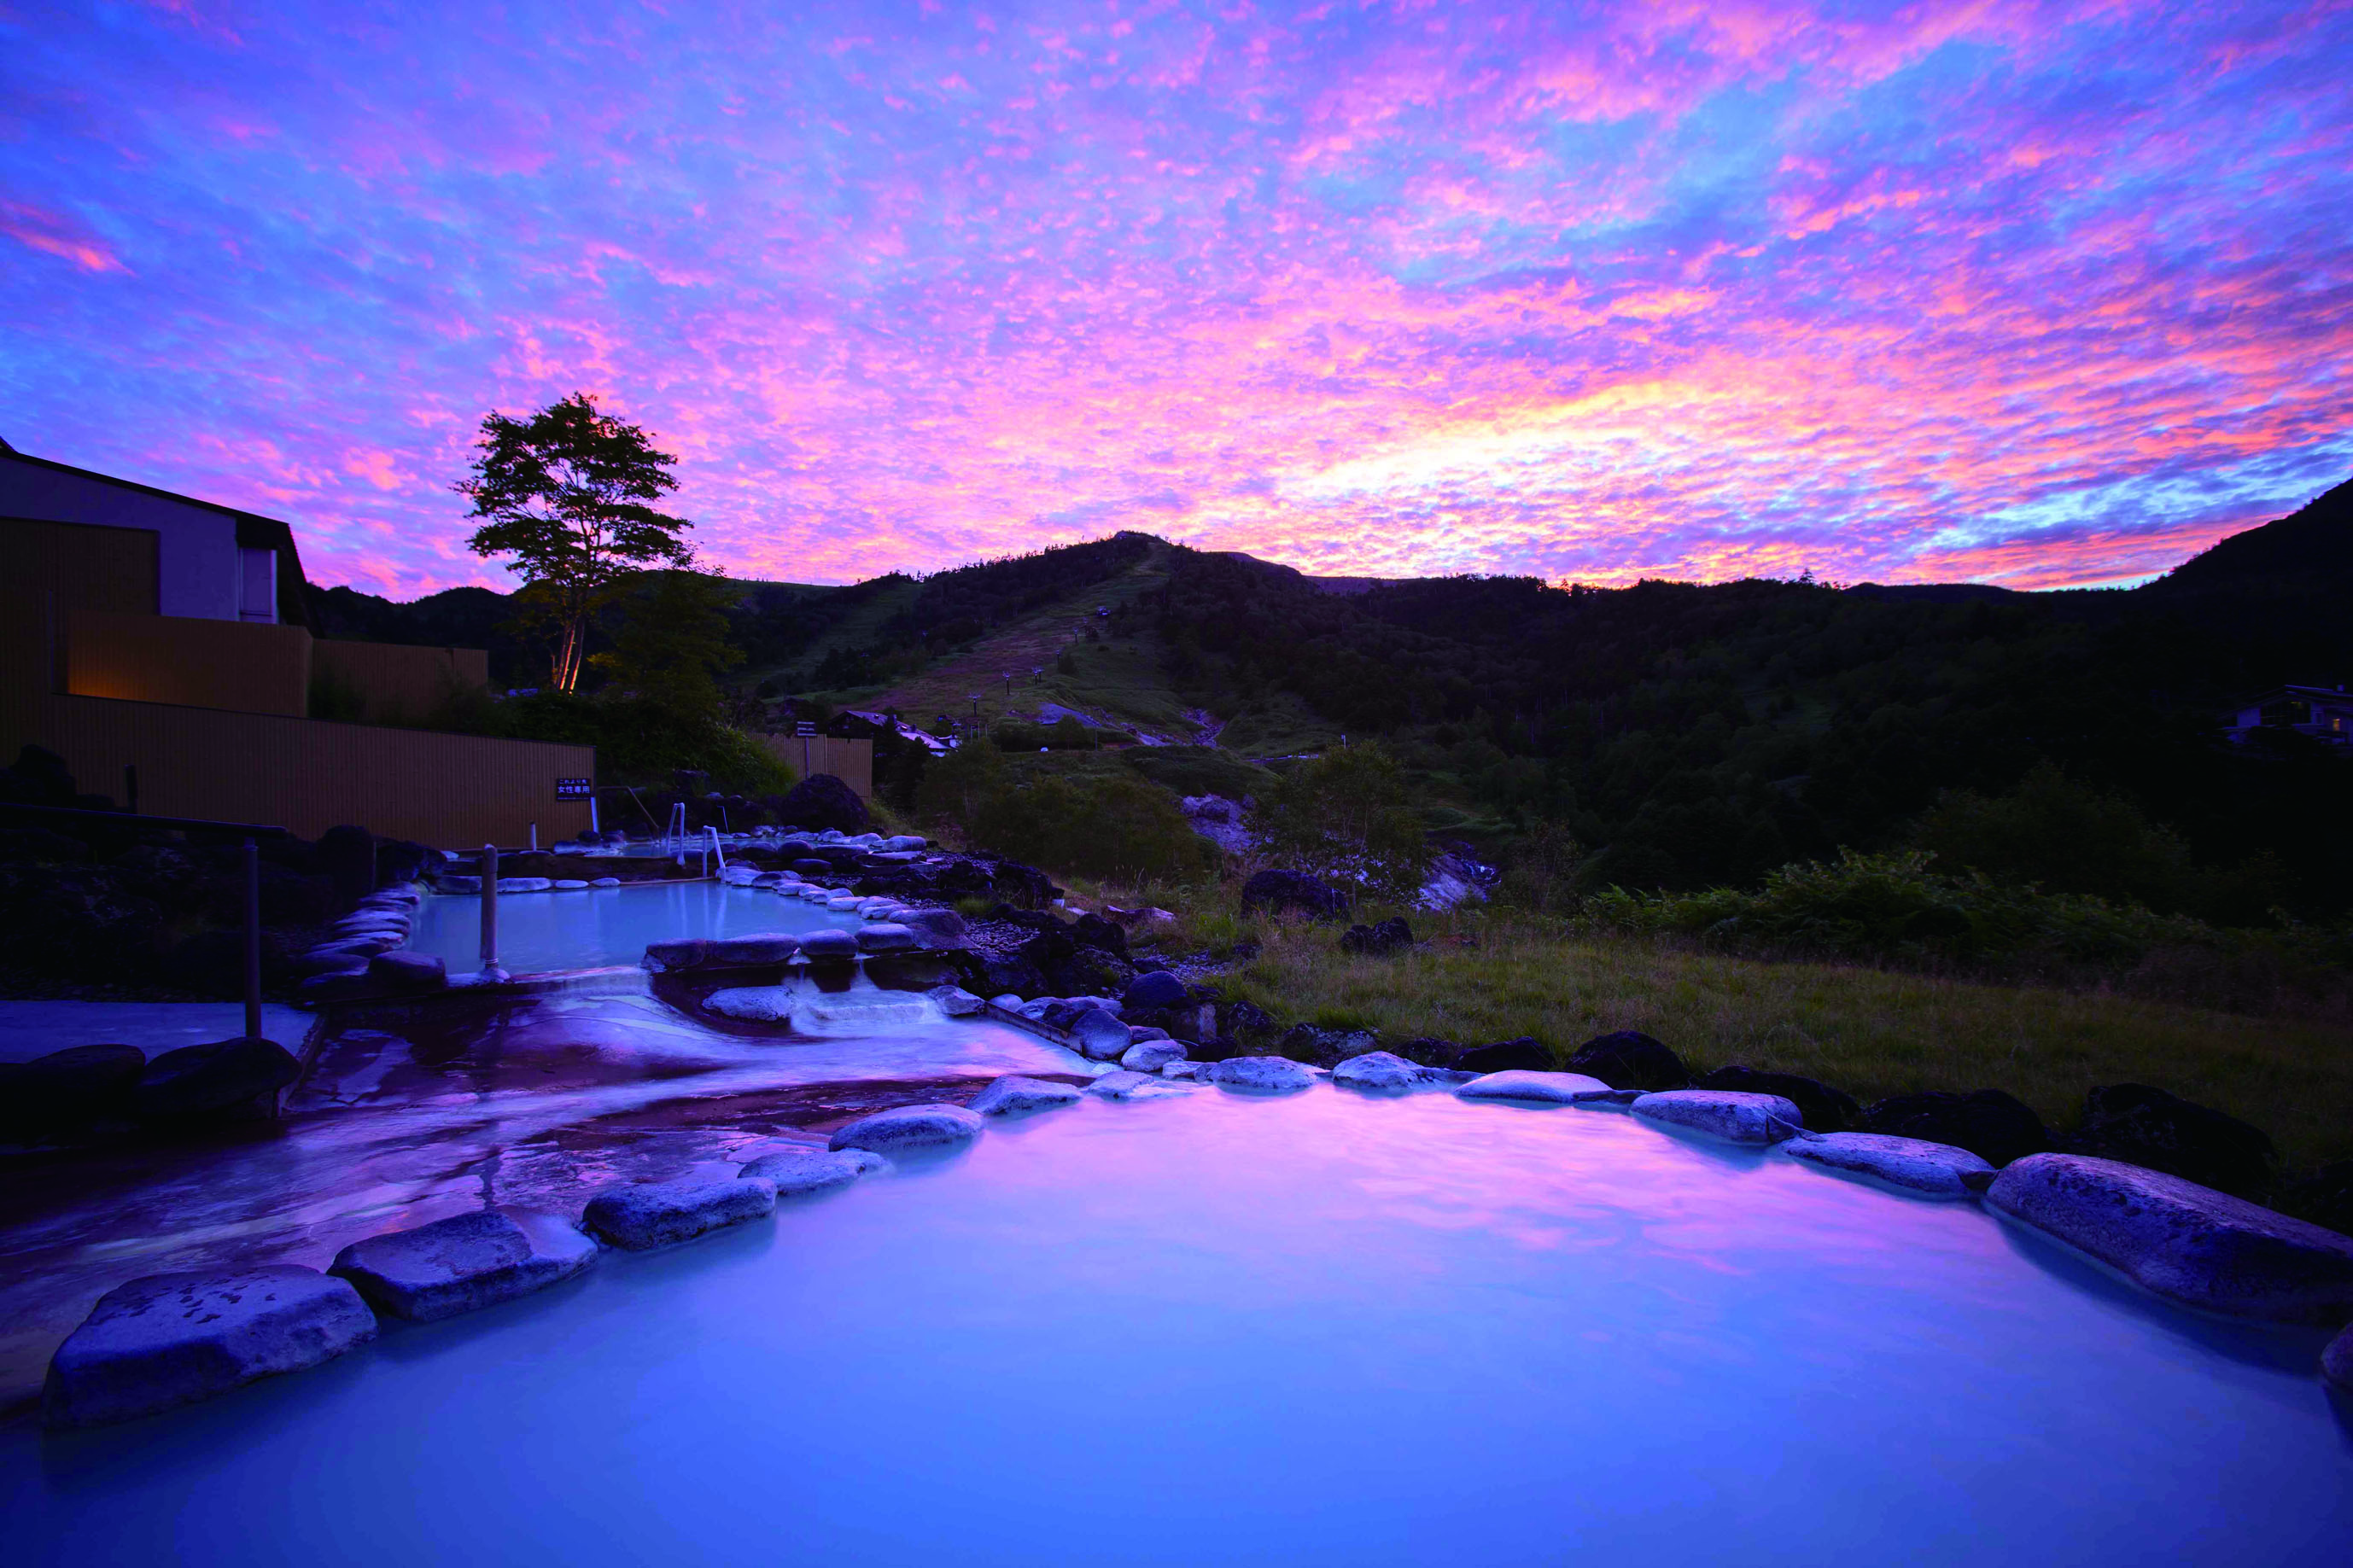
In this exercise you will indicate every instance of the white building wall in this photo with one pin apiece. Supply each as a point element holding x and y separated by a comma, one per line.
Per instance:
<point>198,569</point>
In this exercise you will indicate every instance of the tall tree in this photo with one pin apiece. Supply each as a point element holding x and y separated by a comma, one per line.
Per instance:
<point>568,494</point>
<point>672,645</point>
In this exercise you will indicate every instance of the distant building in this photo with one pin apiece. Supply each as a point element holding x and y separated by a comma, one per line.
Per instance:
<point>2322,712</point>
<point>161,645</point>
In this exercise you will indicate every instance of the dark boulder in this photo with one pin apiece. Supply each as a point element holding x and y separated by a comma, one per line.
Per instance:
<point>1091,972</point>
<point>1155,988</point>
<point>1825,1109</point>
<point>1525,1054</point>
<point>1430,1051</point>
<point>1003,973</point>
<point>1093,931</point>
<point>1988,1124</point>
<point>1245,1019</point>
<point>1020,884</point>
<point>822,801</point>
<point>346,858</point>
<point>203,1081</point>
<point>399,860</point>
<point>2147,1127</point>
<point>1388,936</point>
<point>1627,1059</point>
<point>1292,892</point>
<point>811,866</point>
<point>71,1087</point>
<point>2324,1197</point>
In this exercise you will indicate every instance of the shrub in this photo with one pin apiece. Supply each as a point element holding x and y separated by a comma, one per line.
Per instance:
<point>1347,816</point>
<point>1111,827</point>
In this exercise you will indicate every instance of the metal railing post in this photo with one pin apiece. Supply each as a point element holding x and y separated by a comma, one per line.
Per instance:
<point>252,941</point>
<point>491,970</point>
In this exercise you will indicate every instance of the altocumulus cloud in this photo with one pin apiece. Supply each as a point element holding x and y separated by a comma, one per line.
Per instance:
<point>2036,293</point>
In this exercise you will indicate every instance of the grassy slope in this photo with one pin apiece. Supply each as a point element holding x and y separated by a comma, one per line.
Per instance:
<point>1870,1032</point>
<point>1118,681</point>
<point>855,630</point>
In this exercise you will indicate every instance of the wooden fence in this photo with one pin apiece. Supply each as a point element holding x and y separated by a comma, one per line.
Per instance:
<point>452,792</point>
<point>851,762</point>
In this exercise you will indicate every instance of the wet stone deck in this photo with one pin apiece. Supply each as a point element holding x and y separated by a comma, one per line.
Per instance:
<point>412,1113</point>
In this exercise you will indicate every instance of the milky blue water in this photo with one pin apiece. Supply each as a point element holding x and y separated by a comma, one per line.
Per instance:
<point>1219,1329</point>
<point>600,926</point>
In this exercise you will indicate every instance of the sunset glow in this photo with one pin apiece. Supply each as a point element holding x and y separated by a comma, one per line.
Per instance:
<point>2036,294</point>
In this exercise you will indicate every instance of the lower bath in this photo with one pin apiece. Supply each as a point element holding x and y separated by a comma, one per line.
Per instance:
<point>1214,1328</point>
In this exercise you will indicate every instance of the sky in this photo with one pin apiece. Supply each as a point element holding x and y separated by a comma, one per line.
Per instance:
<point>2045,295</point>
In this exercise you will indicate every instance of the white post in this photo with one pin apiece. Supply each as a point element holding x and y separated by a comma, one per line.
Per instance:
<point>534,837</point>
<point>491,970</point>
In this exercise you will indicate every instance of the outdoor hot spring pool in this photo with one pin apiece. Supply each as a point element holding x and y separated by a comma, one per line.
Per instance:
<point>1209,1328</point>
<point>595,927</point>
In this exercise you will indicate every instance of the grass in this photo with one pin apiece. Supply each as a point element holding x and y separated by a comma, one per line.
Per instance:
<point>1870,1032</point>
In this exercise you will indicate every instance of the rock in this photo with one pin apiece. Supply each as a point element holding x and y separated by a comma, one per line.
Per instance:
<point>1126,1085</point>
<point>762,950</point>
<point>798,1172</point>
<point>822,801</point>
<point>1096,1033</point>
<point>570,885</point>
<point>1987,1122</point>
<point>199,1080</point>
<point>1013,1094</point>
<point>2336,1363</point>
<point>885,937</point>
<point>335,986</point>
<point>1151,1056</point>
<point>1630,1060</point>
<point>404,969</point>
<point>1380,1071</point>
<point>1388,936</point>
<point>935,928</point>
<point>681,953</point>
<point>469,1260</point>
<point>1197,1072</point>
<point>1139,1033</point>
<point>1154,989</point>
<point>524,884</point>
<point>1276,1074</point>
<point>2187,1243</point>
<point>639,1214</point>
<point>70,1088</point>
<point>1544,1088</point>
<point>1431,1051</point>
<point>604,881</point>
<point>1912,1165</point>
<point>172,1339</point>
<point>818,946</point>
<point>1293,892</point>
<point>1323,1047</point>
<point>935,1126</point>
<point>1734,1118</point>
<point>1526,1054</point>
<point>753,1004</point>
<point>1244,1017</point>
<point>956,1001</point>
<point>346,856</point>
<point>1825,1109</point>
<point>2147,1127</point>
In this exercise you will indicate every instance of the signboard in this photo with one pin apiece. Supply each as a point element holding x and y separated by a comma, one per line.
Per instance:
<point>574,789</point>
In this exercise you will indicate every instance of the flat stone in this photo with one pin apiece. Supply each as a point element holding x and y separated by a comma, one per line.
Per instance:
<point>1097,1033</point>
<point>1276,1074</point>
<point>639,1214</point>
<point>1724,1114</point>
<point>199,1080</point>
<point>885,936</point>
<point>759,951</point>
<point>2190,1244</point>
<point>901,1127</point>
<point>1129,1085</point>
<point>798,1172</point>
<point>2336,1363</point>
<point>1911,1164</point>
<point>1525,1054</point>
<point>67,1088</point>
<point>756,1004</point>
<point>172,1339</point>
<point>467,1261</point>
<point>1527,1084</point>
<point>570,885</point>
<point>404,969</point>
<point>524,884</point>
<point>1013,1094</point>
<point>1151,1056</point>
<point>956,1001</point>
<point>1197,1072</point>
<point>1380,1071</point>
<point>604,881</point>
<point>828,945</point>
<point>682,952</point>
